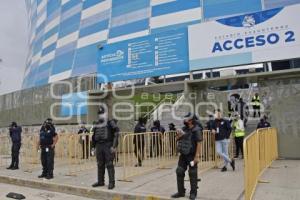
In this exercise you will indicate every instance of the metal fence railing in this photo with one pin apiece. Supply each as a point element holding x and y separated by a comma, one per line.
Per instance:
<point>137,153</point>
<point>260,150</point>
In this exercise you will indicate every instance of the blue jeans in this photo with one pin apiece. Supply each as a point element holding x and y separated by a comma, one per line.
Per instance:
<point>222,150</point>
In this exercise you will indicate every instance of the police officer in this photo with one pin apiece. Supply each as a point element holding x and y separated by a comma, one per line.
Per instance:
<point>172,127</point>
<point>156,143</point>
<point>139,140</point>
<point>263,123</point>
<point>189,146</point>
<point>15,135</point>
<point>105,139</point>
<point>47,142</point>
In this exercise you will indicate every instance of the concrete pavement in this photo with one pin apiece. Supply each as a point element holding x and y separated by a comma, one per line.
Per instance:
<point>283,179</point>
<point>159,184</point>
<point>35,194</point>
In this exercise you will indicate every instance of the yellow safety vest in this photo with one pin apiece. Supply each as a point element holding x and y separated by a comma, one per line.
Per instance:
<point>256,101</point>
<point>238,132</point>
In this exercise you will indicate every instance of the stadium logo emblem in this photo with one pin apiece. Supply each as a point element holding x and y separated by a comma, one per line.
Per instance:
<point>248,21</point>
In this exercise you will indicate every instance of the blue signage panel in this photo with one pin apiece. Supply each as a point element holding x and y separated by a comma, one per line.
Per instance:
<point>74,104</point>
<point>153,55</point>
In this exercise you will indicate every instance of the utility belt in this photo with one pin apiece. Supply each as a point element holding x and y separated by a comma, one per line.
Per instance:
<point>104,142</point>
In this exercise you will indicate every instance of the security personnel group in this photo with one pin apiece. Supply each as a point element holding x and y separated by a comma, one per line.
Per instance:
<point>105,142</point>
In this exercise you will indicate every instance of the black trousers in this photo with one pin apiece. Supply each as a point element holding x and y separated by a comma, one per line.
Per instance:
<point>15,151</point>
<point>139,145</point>
<point>183,164</point>
<point>239,146</point>
<point>105,158</point>
<point>156,145</point>
<point>47,159</point>
<point>86,147</point>
<point>256,109</point>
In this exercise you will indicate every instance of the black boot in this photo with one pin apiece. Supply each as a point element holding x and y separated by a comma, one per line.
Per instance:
<point>10,167</point>
<point>232,163</point>
<point>101,175</point>
<point>193,174</point>
<point>97,184</point>
<point>178,195</point>
<point>42,175</point>
<point>180,183</point>
<point>193,196</point>
<point>111,176</point>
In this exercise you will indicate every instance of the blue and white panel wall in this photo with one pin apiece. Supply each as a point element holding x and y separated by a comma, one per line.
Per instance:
<point>64,34</point>
<point>173,14</point>
<point>129,19</point>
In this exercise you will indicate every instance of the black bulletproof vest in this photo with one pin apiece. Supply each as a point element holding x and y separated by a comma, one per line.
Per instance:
<point>185,144</point>
<point>103,134</point>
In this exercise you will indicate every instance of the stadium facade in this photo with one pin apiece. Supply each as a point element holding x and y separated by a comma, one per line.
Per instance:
<point>64,34</point>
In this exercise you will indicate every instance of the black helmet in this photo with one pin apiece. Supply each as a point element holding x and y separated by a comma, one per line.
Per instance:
<point>14,124</point>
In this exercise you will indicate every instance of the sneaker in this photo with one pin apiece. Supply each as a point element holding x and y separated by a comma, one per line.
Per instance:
<point>224,169</point>
<point>232,164</point>
<point>98,184</point>
<point>178,195</point>
<point>193,196</point>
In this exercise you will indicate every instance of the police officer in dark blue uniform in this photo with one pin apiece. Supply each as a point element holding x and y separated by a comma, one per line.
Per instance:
<point>156,143</point>
<point>105,139</point>
<point>189,146</point>
<point>47,142</point>
<point>139,140</point>
<point>263,123</point>
<point>15,135</point>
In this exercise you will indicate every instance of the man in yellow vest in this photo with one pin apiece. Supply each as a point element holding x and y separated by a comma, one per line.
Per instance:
<point>256,105</point>
<point>239,133</point>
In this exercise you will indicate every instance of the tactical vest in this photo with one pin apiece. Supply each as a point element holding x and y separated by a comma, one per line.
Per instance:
<point>46,138</point>
<point>103,134</point>
<point>185,145</point>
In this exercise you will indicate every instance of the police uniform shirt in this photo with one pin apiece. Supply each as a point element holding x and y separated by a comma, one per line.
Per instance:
<point>15,134</point>
<point>47,135</point>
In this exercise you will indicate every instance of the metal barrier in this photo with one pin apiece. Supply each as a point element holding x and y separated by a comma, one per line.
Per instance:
<point>5,151</point>
<point>80,153</point>
<point>260,150</point>
<point>142,152</point>
<point>151,150</point>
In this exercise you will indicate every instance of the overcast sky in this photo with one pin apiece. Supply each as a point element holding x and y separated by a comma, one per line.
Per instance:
<point>13,44</point>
